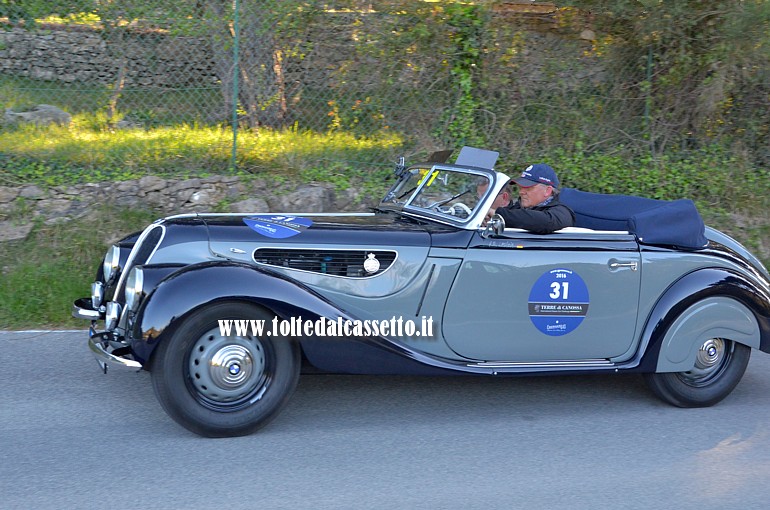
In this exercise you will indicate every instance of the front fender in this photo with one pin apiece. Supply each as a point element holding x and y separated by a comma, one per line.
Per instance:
<point>704,304</point>
<point>197,285</point>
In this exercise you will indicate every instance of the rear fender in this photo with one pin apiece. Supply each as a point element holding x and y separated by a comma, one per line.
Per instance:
<point>708,303</point>
<point>713,317</point>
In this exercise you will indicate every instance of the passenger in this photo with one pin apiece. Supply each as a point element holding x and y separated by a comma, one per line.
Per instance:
<point>538,208</point>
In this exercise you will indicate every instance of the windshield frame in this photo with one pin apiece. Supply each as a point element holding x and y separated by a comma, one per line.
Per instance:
<point>408,204</point>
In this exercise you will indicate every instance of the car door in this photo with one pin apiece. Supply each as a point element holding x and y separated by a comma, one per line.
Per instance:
<point>523,297</point>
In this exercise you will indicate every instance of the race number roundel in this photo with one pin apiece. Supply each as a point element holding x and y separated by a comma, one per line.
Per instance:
<point>277,226</point>
<point>558,302</point>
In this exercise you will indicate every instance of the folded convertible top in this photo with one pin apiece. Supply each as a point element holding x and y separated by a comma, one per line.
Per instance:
<point>671,223</point>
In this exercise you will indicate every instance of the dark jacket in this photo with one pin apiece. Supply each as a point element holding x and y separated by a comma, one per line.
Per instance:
<point>540,219</point>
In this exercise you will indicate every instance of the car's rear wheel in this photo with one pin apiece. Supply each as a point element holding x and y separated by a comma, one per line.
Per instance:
<point>719,367</point>
<point>224,385</point>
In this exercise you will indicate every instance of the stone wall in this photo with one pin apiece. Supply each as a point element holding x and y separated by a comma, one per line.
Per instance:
<point>153,59</point>
<point>21,206</point>
<point>77,54</point>
<point>81,55</point>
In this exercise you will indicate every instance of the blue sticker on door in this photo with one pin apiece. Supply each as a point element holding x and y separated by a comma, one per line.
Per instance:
<point>558,302</point>
<point>277,226</point>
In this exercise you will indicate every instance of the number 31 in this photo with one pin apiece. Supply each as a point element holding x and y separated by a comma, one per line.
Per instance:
<point>559,290</point>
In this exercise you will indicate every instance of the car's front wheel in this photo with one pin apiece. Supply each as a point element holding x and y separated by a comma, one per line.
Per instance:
<point>220,385</point>
<point>719,366</point>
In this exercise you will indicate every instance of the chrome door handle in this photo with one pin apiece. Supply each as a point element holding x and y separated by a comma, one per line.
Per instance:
<point>616,264</point>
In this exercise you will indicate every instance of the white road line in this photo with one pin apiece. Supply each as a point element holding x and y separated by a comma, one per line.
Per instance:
<point>38,331</point>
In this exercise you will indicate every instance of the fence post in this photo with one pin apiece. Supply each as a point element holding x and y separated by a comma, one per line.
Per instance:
<point>648,101</point>
<point>236,37</point>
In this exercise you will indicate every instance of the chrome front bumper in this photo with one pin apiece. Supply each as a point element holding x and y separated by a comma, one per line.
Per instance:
<point>99,343</point>
<point>104,343</point>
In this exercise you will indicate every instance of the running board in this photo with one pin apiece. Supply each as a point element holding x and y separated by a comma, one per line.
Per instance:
<point>566,364</point>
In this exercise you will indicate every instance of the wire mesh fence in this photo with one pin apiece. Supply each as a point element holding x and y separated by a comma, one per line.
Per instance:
<point>409,76</point>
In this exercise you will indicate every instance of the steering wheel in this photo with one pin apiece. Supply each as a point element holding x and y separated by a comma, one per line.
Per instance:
<point>462,207</point>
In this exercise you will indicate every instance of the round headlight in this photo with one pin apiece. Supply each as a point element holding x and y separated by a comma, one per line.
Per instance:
<point>111,262</point>
<point>134,287</point>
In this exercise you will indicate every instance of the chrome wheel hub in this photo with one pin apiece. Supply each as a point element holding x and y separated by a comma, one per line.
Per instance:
<point>230,366</point>
<point>226,369</point>
<point>709,360</point>
<point>710,353</point>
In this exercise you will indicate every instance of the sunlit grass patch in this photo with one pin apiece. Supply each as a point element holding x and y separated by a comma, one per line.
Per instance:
<point>56,155</point>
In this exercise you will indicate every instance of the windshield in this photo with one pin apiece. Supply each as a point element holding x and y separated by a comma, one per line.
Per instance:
<point>444,191</point>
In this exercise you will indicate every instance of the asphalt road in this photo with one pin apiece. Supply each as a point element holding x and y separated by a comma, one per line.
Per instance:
<point>73,438</point>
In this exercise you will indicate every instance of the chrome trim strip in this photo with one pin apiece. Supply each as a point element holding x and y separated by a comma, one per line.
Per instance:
<point>245,215</point>
<point>124,271</point>
<point>569,230</point>
<point>105,358</point>
<point>157,245</point>
<point>544,364</point>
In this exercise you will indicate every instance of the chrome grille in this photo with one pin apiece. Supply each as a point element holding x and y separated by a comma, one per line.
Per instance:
<point>141,253</point>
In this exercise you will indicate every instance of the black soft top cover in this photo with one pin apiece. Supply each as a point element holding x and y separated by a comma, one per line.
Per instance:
<point>660,222</point>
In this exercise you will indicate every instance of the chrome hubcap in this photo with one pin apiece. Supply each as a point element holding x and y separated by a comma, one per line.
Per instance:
<point>708,361</point>
<point>230,366</point>
<point>226,369</point>
<point>710,353</point>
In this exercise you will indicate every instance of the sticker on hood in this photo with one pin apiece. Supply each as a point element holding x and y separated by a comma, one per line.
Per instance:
<point>277,226</point>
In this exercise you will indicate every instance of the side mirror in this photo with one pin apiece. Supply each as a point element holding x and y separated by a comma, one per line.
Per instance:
<point>495,226</point>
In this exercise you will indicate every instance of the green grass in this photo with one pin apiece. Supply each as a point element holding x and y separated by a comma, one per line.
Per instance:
<point>87,102</point>
<point>56,155</point>
<point>41,276</point>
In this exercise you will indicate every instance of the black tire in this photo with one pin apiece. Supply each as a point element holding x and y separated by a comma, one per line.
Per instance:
<point>719,367</point>
<point>248,383</point>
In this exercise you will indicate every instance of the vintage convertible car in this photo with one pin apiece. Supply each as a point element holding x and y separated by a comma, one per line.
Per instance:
<point>226,310</point>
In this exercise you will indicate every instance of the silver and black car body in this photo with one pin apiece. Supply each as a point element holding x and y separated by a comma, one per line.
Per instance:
<point>422,285</point>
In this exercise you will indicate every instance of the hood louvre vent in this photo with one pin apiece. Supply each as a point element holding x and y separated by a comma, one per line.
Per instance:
<point>348,263</point>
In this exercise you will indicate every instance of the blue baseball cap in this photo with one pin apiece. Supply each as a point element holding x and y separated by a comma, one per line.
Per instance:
<point>539,173</point>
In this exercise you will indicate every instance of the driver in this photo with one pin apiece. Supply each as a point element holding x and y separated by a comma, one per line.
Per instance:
<point>503,199</point>
<point>538,208</point>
